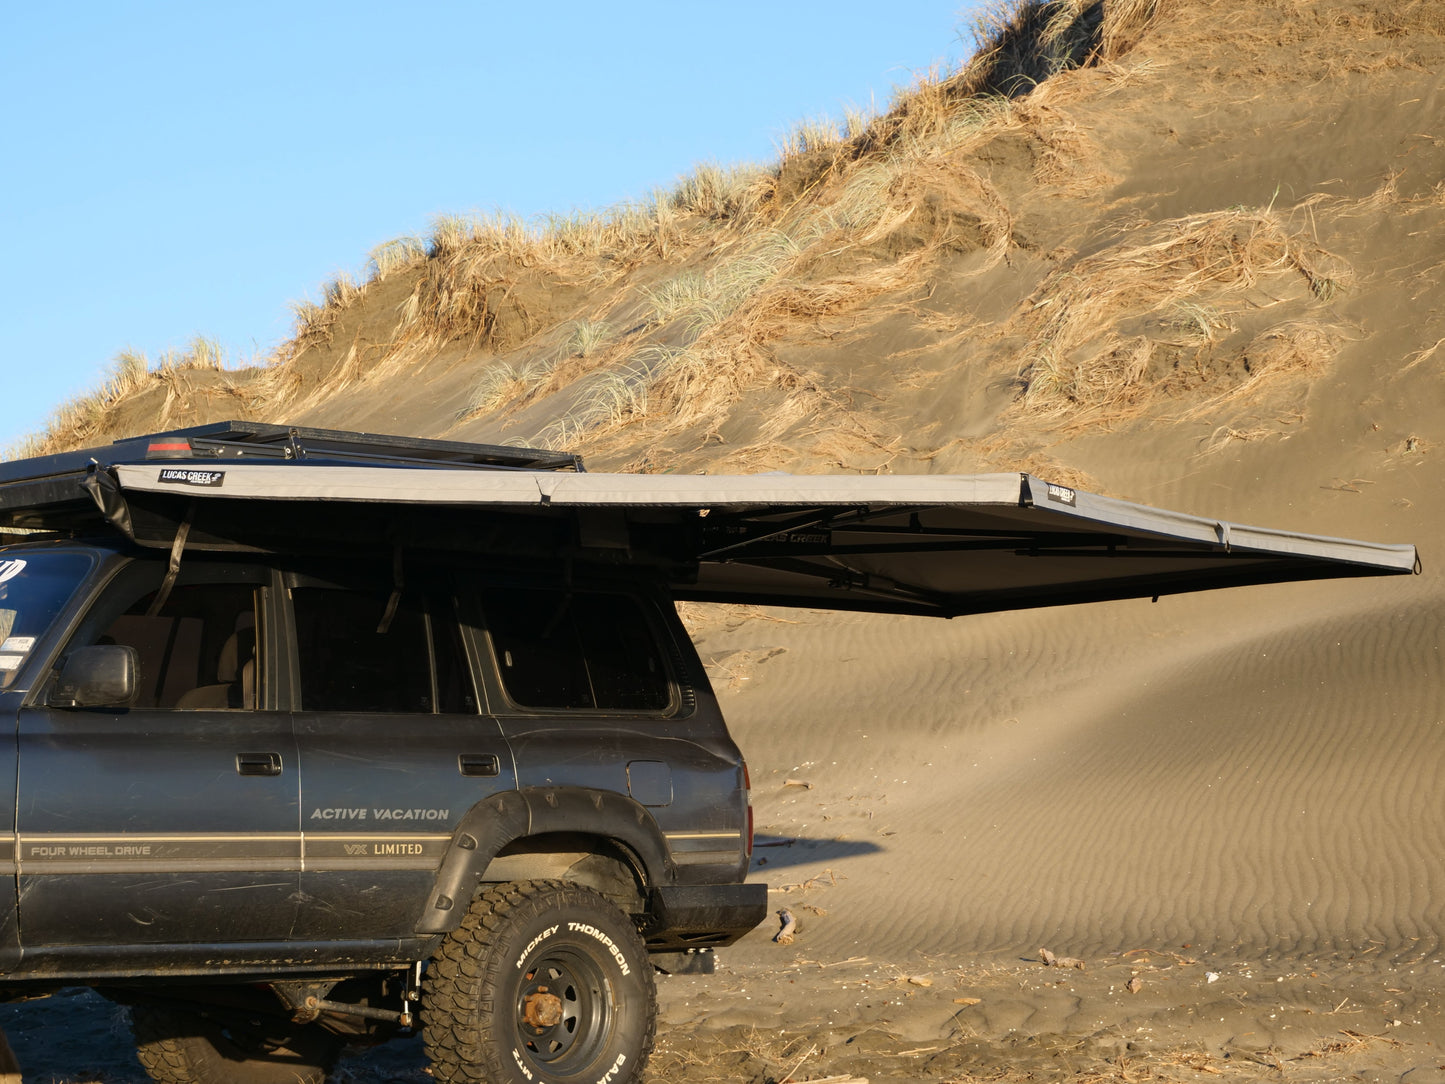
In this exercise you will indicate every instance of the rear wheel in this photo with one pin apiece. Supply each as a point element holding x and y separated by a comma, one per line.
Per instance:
<point>544,982</point>
<point>179,1047</point>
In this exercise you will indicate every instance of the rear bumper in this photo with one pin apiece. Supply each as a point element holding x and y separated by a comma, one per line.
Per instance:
<point>697,916</point>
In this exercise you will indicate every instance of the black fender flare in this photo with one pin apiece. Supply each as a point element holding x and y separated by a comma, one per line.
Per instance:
<point>502,818</point>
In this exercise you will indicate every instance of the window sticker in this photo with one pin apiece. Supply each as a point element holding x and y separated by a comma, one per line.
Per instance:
<point>181,477</point>
<point>11,662</point>
<point>18,643</point>
<point>10,569</point>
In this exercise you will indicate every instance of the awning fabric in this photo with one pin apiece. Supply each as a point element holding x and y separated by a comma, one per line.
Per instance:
<point>927,544</point>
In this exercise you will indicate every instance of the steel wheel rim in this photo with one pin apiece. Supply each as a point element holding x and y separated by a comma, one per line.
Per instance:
<point>570,986</point>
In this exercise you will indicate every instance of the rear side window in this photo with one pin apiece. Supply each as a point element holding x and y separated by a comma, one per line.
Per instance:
<point>575,651</point>
<point>358,653</point>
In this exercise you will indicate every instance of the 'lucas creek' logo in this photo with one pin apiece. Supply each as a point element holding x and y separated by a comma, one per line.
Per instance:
<point>179,476</point>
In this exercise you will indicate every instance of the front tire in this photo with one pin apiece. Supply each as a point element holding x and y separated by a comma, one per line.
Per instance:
<point>544,982</point>
<point>178,1047</point>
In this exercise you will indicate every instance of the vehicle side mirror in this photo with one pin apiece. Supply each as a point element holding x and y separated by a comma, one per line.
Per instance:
<point>101,676</point>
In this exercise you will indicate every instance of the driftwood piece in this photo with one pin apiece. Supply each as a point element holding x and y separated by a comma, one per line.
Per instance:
<point>785,935</point>
<point>1050,960</point>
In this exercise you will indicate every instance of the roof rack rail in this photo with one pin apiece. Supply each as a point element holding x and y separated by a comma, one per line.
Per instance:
<point>258,440</point>
<point>250,439</point>
<point>45,492</point>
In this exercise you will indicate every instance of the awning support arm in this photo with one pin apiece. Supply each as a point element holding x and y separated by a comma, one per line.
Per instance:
<point>876,586</point>
<point>835,518</point>
<point>1002,544</point>
<point>812,519</point>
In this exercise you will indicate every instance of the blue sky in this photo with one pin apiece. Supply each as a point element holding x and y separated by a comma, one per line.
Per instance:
<point>175,169</point>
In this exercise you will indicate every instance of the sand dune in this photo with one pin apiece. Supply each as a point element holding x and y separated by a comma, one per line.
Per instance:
<point>1253,770</point>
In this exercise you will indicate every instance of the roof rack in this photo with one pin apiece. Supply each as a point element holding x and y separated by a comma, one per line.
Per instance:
<point>46,492</point>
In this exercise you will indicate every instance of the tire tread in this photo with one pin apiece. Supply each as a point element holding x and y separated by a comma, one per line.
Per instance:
<point>168,1059</point>
<point>459,985</point>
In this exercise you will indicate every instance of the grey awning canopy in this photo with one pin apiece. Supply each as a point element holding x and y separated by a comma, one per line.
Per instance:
<point>939,545</point>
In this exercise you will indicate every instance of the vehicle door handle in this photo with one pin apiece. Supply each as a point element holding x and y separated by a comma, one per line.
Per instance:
<point>258,763</point>
<point>479,764</point>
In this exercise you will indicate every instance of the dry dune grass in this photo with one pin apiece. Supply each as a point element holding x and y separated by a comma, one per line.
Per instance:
<point>882,173</point>
<point>1021,47</point>
<point>727,320</point>
<point>700,383</point>
<point>506,384</point>
<point>466,275</point>
<point>1187,274</point>
<point>704,330</point>
<point>688,288</point>
<point>463,271</point>
<point>87,419</point>
<point>1286,349</point>
<point>873,231</point>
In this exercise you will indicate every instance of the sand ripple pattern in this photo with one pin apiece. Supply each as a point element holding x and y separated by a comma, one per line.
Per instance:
<point>1205,772</point>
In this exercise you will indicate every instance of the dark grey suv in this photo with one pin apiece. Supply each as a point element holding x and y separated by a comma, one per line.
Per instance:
<point>274,801</point>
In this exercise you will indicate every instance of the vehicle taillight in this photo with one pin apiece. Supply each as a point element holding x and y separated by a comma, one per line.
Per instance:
<point>169,449</point>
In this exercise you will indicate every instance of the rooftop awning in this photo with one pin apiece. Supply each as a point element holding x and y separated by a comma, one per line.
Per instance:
<point>929,544</point>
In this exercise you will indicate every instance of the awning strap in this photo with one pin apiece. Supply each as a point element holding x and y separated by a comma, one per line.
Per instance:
<point>399,581</point>
<point>174,568</point>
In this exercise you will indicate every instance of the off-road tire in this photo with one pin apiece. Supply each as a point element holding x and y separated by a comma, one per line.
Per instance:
<point>179,1047</point>
<point>544,982</point>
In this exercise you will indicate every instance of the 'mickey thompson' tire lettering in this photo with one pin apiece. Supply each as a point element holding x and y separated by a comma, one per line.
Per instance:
<point>593,931</point>
<point>548,932</point>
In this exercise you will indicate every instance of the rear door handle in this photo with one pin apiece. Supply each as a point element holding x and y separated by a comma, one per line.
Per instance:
<point>258,763</point>
<point>485,764</point>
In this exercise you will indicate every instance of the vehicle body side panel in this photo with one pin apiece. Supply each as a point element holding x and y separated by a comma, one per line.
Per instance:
<point>9,913</point>
<point>381,795</point>
<point>137,828</point>
<point>253,961</point>
<point>702,825</point>
<point>538,811</point>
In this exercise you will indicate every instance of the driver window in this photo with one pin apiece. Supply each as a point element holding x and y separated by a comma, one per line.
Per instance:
<point>199,652</point>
